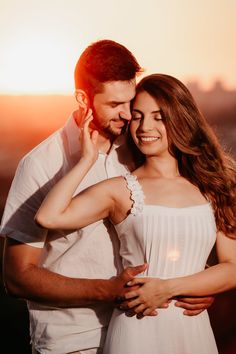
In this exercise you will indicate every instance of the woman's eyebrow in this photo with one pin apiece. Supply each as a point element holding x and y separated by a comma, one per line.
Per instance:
<point>136,110</point>
<point>153,112</point>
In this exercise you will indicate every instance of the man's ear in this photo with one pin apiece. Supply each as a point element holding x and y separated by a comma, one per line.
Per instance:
<point>82,99</point>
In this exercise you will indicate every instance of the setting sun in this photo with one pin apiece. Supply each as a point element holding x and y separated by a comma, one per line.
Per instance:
<point>32,69</point>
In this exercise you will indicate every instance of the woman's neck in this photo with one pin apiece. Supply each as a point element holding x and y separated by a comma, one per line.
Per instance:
<point>161,166</point>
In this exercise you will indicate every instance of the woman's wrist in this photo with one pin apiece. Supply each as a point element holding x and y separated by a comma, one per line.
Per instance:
<point>172,287</point>
<point>87,161</point>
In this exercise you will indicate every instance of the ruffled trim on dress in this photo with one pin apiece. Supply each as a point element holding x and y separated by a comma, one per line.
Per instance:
<point>136,193</point>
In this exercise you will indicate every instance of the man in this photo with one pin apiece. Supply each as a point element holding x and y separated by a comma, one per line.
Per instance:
<point>68,277</point>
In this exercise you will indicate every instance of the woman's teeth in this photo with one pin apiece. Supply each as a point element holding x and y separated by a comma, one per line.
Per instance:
<point>144,139</point>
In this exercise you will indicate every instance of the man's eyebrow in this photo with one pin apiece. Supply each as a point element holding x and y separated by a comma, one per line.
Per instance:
<point>117,102</point>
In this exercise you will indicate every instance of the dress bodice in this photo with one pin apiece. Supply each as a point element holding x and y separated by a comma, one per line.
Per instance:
<point>173,241</point>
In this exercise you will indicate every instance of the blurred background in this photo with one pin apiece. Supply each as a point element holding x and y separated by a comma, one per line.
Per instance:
<point>40,42</point>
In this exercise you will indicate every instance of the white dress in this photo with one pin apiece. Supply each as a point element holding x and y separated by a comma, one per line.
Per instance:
<point>174,242</point>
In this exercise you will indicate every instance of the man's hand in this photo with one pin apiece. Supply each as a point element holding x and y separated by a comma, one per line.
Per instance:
<point>118,284</point>
<point>194,305</point>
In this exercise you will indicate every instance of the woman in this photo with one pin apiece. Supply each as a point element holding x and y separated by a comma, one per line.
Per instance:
<point>169,213</point>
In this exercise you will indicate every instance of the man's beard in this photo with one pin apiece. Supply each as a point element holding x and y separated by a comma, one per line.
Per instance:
<point>107,131</point>
<point>114,132</point>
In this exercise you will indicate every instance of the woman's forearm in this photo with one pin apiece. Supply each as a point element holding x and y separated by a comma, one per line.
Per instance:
<point>156,293</point>
<point>213,280</point>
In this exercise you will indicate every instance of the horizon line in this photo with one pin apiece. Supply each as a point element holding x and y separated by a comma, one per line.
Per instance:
<point>70,92</point>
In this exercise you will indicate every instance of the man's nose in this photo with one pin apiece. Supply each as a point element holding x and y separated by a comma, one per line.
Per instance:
<point>125,113</point>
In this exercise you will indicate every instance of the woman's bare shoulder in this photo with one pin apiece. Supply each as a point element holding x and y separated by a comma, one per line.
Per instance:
<point>113,186</point>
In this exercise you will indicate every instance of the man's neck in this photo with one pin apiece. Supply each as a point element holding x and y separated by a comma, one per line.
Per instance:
<point>104,144</point>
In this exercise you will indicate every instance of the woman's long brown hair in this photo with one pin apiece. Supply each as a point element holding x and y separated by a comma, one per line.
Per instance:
<point>201,159</point>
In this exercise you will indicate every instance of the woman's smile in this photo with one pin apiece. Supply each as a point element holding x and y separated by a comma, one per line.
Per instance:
<point>148,139</point>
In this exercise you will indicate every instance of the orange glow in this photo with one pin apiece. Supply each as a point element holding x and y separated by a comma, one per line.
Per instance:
<point>40,41</point>
<point>34,71</point>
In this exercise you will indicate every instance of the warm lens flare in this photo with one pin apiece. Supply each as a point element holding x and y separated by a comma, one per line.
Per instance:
<point>35,66</point>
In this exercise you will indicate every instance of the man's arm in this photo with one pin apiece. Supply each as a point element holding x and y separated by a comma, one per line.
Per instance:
<point>23,278</point>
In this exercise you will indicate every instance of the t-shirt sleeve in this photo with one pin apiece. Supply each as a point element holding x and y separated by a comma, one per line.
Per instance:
<point>29,187</point>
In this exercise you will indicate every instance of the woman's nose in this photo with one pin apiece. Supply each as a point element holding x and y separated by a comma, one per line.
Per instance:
<point>145,124</point>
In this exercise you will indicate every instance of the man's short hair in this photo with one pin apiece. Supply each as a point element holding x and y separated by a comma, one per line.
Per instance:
<point>104,61</point>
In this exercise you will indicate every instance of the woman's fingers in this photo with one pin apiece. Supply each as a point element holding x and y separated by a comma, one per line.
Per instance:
<point>131,294</point>
<point>89,139</point>
<point>150,312</point>
<point>88,119</point>
<point>137,281</point>
<point>130,304</point>
<point>139,309</point>
<point>94,137</point>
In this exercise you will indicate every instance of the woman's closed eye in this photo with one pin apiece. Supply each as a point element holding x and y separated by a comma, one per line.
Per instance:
<point>136,116</point>
<point>157,115</point>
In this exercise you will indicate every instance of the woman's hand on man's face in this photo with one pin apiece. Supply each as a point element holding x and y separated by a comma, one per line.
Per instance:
<point>89,139</point>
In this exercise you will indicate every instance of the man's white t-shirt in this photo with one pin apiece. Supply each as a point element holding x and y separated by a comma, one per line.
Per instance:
<point>91,252</point>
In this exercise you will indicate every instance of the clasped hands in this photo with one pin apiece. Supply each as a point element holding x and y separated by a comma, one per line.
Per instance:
<point>142,296</point>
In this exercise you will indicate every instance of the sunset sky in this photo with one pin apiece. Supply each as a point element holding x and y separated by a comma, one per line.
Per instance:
<point>40,40</point>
